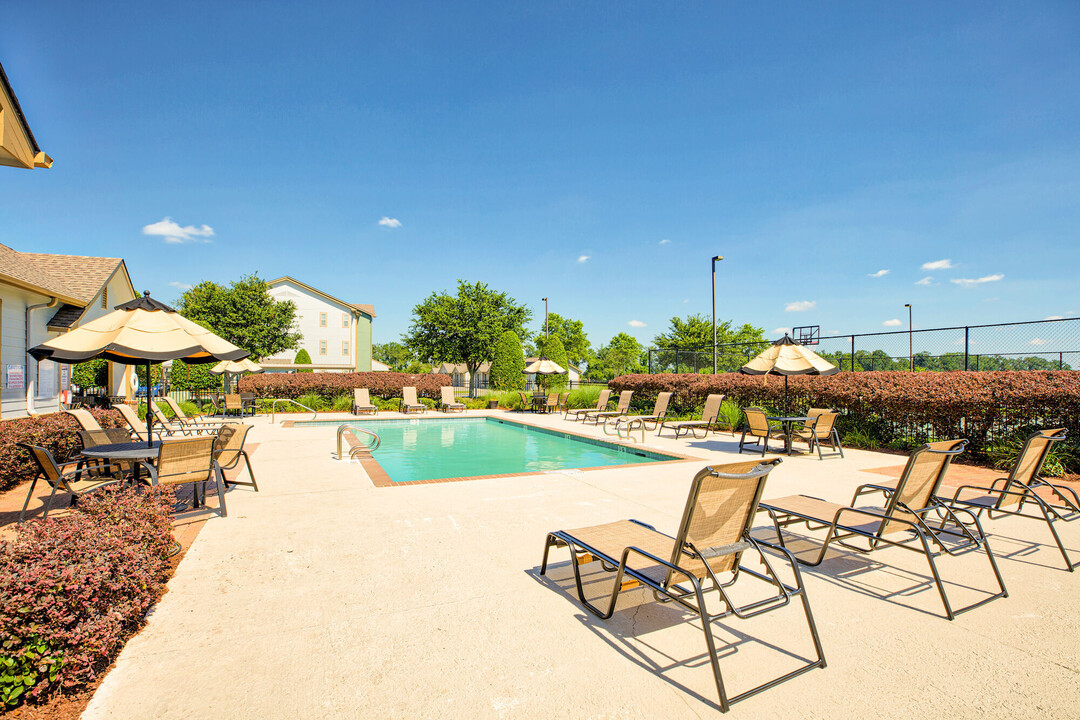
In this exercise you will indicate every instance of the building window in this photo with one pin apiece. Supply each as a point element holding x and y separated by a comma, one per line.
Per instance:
<point>322,347</point>
<point>322,319</point>
<point>344,320</point>
<point>344,347</point>
<point>105,298</point>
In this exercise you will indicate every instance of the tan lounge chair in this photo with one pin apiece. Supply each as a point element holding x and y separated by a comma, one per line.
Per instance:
<point>621,408</point>
<point>183,418</point>
<point>707,422</point>
<point>229,451</point>
<point>579,413</point>
<point>188,460</point>
<point>626,423</point>
<point>711,539</point>
<point>909,510</point>
<point>821,428</point>
<point>757,427</point>
<point>137,426</point>
<point>85,419</point>
<point>409,403</point>
<point>73,478</point>
<point>175,428</point>
<point>361,404</point>
<point>448,402</point>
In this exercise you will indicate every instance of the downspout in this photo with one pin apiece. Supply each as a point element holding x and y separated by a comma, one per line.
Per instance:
<point>30,384</point>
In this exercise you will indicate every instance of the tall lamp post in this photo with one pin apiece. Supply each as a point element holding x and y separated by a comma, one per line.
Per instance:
<point>910,356</point>
<point>545,323</point>
<point>715,258</point>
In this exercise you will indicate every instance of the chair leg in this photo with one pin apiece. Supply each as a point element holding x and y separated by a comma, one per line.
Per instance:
<point>220,490</point>
<point>22,515</point>
<point>836,439</point>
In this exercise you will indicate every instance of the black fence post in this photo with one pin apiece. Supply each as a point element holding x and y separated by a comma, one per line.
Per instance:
<point>966,329</point>
<point>1061,362</point>
<point>852,353</point>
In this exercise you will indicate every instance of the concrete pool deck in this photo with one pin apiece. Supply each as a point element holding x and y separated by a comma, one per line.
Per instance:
<point>322,596</point>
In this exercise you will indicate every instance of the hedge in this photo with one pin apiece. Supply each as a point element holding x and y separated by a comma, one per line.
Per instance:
<point>56,432</point>
<point>74,588</point>
<point>980,406</point>
<point>329,385</point>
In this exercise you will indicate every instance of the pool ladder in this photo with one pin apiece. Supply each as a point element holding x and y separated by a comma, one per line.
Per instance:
<point>369,440</point>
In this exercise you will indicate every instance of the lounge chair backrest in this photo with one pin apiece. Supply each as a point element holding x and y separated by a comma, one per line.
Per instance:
<point>660,408</point>
<point>361,398</point>
<point>1028,465</point>
<point>823,424</point>
<point>229,443</point>
<point>161,416</point>
<point>234,402</point>
<point>177,410</point>
<point>920,481</point>
<point>756,419</point>
<point>85,419</point>
<point>408,396</point>
<point>131,418</point>
<point>712,407</point>
<point>186,460</point>
<point>719,510</point>
<point>624,401</point>
<point>447,395</point>
<point>601,402</point>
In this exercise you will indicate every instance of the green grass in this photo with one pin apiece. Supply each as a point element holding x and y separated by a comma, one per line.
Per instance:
<point>342,403</point>
<point>584,397</point>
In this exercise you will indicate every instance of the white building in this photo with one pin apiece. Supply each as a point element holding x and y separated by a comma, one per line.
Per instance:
<point>336,334</point>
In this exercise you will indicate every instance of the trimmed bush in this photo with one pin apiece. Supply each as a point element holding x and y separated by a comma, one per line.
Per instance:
<point>74,588</point>
<point>329,385</point>
<point>508,363</point>
<point>91,374</point>
<point>56,432</point>
<point>302,358</point>
<point>193,377</point>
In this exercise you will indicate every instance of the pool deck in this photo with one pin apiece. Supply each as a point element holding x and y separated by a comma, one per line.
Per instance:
<point>322,596</point>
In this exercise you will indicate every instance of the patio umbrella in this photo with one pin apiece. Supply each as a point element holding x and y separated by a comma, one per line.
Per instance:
<point>787,357</point>
<point>139,332</point>
<point>543,366</point>
<point>235,367</point>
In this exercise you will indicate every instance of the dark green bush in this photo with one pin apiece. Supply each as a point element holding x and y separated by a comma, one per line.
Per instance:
<point>507,363</point>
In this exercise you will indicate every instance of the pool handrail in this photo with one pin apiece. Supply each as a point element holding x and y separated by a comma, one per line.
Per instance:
<point>373,441</point>
<point>273,408</point>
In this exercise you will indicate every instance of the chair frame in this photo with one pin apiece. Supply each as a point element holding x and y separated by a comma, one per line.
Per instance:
<point>449,407</point>
<point>220,449</point>
<point>63,478</point>
<point>692,597</point>
<point>897,512</point>
<point>813,440</point>
<point>691,427</point>
<point>774,433</point>
<point>579,413</point>
<point>155,476</point>
<point>621,408</point>
<point>172,428</point>
<point>624,425</point>
<point>183,418</point>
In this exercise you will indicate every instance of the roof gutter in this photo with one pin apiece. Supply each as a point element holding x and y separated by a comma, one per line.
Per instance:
<point>53,302</point>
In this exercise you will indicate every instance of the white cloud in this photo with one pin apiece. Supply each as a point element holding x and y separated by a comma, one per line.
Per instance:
<point>938,265</point>
<point>636,323</point>
<point>879,273</point>
<point>925,281</point>
<point>972,282</point>
<point>1054,317</point>
<point>1037,341</point>
<point>180,285</point>
<point>834,332</point>
<point>800,306</point>
<point>781,331</point>
<point>173,233</point>
<point>895,322</point>
<point>584,258</point>
<point>686,300</point>
<point>389,222</point>
<point>665,241</point>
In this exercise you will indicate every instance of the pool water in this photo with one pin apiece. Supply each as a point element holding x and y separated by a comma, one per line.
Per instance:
<point>434,449</point>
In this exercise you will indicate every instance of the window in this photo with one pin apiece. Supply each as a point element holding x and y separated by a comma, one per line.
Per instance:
<point>322,321</point>
<point>344,320</point>
<point>322,347</point>
<point>344,347</point>
<point>105,298</point>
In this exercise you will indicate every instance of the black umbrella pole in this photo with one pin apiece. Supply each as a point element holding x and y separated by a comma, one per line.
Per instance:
<point>149,416</point>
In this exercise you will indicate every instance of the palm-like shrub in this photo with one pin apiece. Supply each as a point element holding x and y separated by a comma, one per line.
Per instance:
<point>508,363</point>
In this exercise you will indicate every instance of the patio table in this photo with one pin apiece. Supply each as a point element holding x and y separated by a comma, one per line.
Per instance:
<point>133,452</point>
<point>788,422</point>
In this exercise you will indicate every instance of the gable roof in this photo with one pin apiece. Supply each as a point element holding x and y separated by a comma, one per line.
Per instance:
<point>73,279</point>
<point>39,158</point>
<point>368,310</point>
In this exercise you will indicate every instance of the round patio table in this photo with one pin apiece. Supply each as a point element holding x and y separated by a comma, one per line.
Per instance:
<point>131,451</point>
<point>788,422</point>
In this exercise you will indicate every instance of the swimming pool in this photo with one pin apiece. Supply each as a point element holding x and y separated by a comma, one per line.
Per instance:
<point>438,449</point>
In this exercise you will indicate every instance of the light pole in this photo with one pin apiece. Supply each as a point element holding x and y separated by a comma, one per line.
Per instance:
<point>910,357</point>
<point>715,258</point>
<point>545,323</point>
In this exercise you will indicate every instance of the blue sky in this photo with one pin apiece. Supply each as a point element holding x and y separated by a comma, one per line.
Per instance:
<point>595,153</point>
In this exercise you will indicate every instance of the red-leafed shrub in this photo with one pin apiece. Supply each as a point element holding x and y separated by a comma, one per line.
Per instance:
<point>330,385</point>
<point>980,406</point>
<point>57,433</point>
<point>74,588</point>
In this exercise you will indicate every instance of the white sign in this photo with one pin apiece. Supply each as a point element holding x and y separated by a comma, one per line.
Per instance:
<point>47,376</point>
<point>65,376</point>
<point>15,377</point>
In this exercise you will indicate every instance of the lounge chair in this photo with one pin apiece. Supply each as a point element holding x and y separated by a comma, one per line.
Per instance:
<point>181,417</point>
<point>137,426</point>
<point>188,460</point>
<point>579,413</point>
<point>621,408</point>
<point>707,422</point>
<point>712,536</point>
<point>86,419</point>
<point>1009,495</point>
<point>409,403</point>
<point>175,428</point>
<point>909,509</point>
<point>75,480</point>
<point>623,425</point>
<point>821,428</point>
<point>758,428</point>
<point>229,450</point>
<point>361,403</point>
<point>448,402</point>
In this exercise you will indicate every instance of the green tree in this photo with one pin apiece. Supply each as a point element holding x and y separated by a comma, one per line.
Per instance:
<point>554,351</point>
<point>464,328</point>
<point>186,376</point>
<point>91,374</point>
<point>620,356</point>
<point>508,363</point>
<point>735,346</point>
<point>573,337</point>
<point>302,358</point>
<point>394,354</point>
<point>244,314</point>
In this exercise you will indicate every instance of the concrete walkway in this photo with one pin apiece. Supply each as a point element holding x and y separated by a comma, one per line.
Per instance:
<point>322,596</point>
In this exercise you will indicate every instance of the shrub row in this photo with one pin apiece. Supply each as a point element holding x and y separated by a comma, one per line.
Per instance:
<point>56,432</point>
<point>329,385</point>
<point>74,588</point>
<point>975,405</point>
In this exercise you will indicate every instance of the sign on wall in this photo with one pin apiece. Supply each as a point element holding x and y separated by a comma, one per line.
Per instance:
<point>15,377</point>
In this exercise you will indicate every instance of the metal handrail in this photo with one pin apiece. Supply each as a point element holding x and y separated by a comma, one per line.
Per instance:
<point>273,408</point>
<point>372,441</point>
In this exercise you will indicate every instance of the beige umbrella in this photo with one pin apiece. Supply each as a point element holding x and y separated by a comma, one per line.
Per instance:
<point>787,357</point>
<point>139,332</point>
<point>235,367</point>
<point>543,366</point>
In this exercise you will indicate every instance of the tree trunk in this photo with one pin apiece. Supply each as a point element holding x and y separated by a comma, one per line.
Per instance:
<point>472,378</point>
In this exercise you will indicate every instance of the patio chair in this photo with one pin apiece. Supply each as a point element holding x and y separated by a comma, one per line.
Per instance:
<point>757,427</point>
<point>234,403</point>
<point>561,405</point>
<point>137,426</point>
<point>188,460</point>
<point>821,428</point>
<point>448,403</point>
<point>181,417</point>
<point>361,403</point>
<point>409,403</point>
<point>1009,495</point>
<point>551,403</point>
<point>625,423</point>
<point>526,402</point>
<point>74,481</point>
<point>229,451</point>
<point>620,409</point>
<point>579,413</point>
<point>707,422</point>
<point>712,537</point>
<point>909,509</point>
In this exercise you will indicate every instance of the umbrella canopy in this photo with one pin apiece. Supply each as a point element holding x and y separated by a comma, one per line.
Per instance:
<point>236,367</point>
<point>787,357</point>
<point>139,332</point>
<point>544,366</point>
